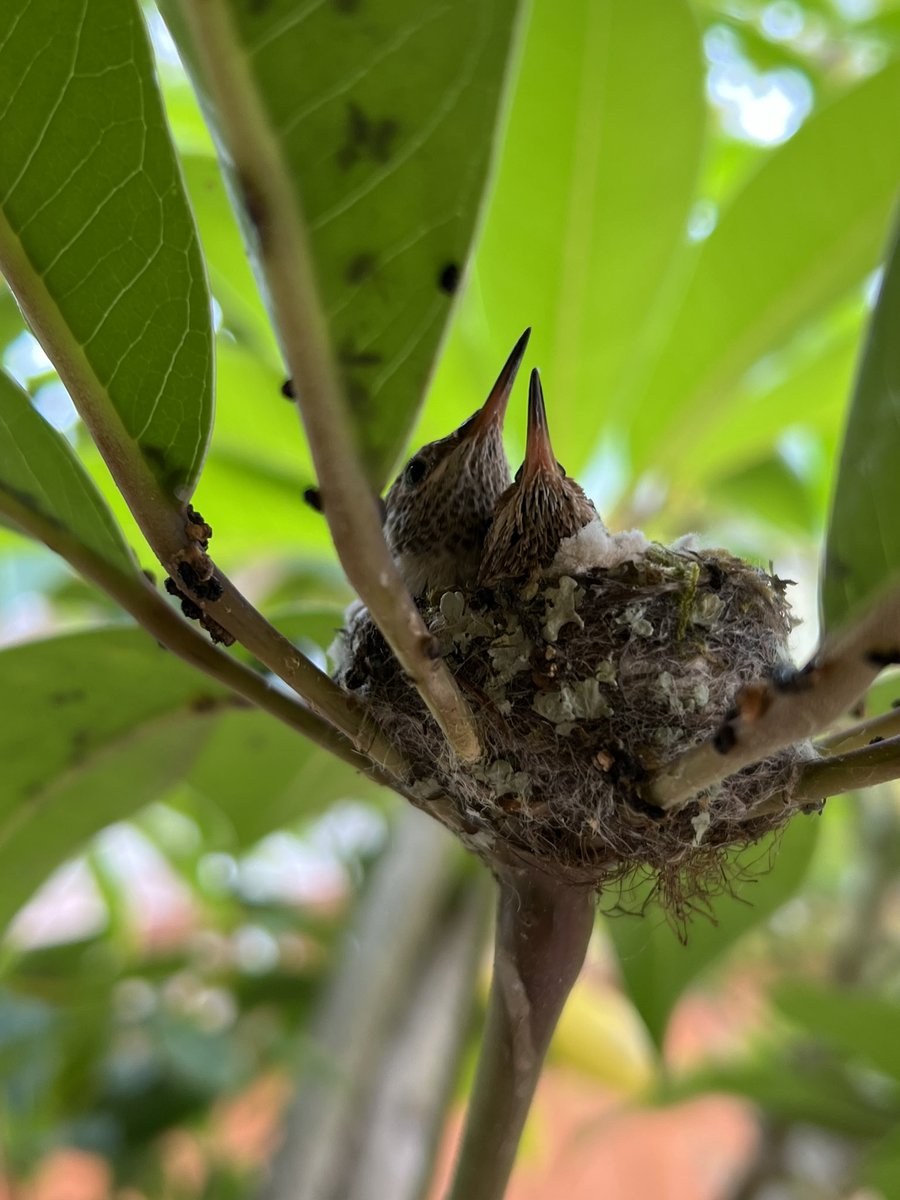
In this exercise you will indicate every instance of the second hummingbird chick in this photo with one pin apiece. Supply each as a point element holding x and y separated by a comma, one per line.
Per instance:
<point>438,509</point>
<point>541,508</point>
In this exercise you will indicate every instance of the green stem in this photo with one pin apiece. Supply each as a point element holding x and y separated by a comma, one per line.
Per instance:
<point>543,930</point>
<point>273,208</point>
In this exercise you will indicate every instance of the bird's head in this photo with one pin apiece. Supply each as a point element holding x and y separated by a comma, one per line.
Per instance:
<point>445,494</point>
<point>540,508</point>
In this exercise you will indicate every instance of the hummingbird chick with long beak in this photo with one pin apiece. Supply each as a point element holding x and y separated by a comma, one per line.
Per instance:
<point>541,509</point>
<point>438,509</point>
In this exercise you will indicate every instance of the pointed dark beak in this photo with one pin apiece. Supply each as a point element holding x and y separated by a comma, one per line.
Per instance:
<point>492,412</point>
<point>539,454</point>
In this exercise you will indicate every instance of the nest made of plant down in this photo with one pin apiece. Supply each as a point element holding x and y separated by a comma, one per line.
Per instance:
<point>582,686</point>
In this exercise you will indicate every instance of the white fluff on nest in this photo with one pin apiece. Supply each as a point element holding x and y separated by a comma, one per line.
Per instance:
<point>593,547</point>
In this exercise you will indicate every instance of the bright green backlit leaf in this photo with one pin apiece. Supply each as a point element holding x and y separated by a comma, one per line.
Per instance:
<point>93,212</point>
<point>863,547</point>
<point>657,967</point>
<point>384,117</point>
<point>599,166</point>
<point>41,477</point>
<point>805,228</point>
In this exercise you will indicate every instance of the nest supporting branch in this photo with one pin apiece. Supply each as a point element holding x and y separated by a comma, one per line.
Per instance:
<point>788,708</point>
<point>542,935</point>
<point>274,210</point>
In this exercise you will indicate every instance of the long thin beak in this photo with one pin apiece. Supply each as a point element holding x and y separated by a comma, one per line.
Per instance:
<point>492,412</point>
<point>539,454</point>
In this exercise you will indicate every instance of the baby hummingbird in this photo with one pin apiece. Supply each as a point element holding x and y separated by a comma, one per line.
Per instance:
<point>538,510</point>
<point>439,507</point>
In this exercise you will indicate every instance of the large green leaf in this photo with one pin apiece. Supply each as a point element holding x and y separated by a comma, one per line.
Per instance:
<point>657,967</point>
<point>861,1025</point>
<point>384,117</point>
<point>96,235</point>
<point>92,726</point>
<point>41,478</point>
<point>805,228</point>
<point>863,547</point>
<point>598,172</point>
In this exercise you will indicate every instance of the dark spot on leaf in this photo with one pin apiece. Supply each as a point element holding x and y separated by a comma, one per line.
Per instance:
<point>366,137</point>
<point>724,739</point>
<point>360,267</point>
<point>287,390</point>
<point>345,6</point>
<point>204,703</point>
<point>313,498</point>
<point>62,698</point>
<point>349,356</point>
<point>448,279</point>
<point>883,658</point>
<point>357,394</point>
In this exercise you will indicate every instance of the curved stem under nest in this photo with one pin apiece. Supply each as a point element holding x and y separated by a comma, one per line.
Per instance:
<point>542,935</point>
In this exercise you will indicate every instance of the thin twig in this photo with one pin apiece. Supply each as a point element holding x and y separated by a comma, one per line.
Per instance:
<point>273,206</point>
<point>160,518</point>
<point>773,713</point>
<point>543,930</point>
<point>139,598</point>
<point>861,734</point>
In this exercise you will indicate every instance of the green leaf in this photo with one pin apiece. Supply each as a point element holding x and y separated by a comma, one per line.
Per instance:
<point>260,776</point>
<point>598,172</point>
<point>863,1026</point>
<point>806,227</point>
<point>92,726</point>
<point>791,1087</point>
<point>230,276</point>
<point>96,236</point>
<point>881,1167</point>
<point>863,546</point>
<point>657,968</point>
<point>384,118</point>
<point>42,479</point>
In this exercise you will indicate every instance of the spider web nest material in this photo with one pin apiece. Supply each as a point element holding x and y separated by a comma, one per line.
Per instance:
<point>582,686</point>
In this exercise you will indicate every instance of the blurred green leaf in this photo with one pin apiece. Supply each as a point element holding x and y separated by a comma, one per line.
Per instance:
<point>385,119</point>
<point>806,227</point>
<point>599,167</point>
<point>96,230</point>
<point>92,727</point>
<point>863,547</point>
<point>863,1026</point>
<point>657,968</point>
<point>789,1086</point>
<point>881,1166</point>
<point>226,259</point>
<point>41,477</point>
<point>260,776</point>
<point>11,321</point>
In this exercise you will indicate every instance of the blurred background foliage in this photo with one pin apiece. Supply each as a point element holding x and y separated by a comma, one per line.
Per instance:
<point>697,343</point>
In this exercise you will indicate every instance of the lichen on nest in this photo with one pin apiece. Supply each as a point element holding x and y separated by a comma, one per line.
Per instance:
<point>581,687</point>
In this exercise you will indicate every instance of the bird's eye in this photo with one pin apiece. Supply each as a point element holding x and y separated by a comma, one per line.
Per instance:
<point>416,471</point>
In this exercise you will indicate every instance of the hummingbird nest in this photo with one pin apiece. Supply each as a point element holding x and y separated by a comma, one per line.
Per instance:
<point>581,687</point>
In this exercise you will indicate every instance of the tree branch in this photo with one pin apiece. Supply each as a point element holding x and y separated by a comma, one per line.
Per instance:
<point>273,208</point>
<point>543,930</point>
<point>861,734</point>
<point>162,520</point>
<point>139,598</point>
<point>773,713</point>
